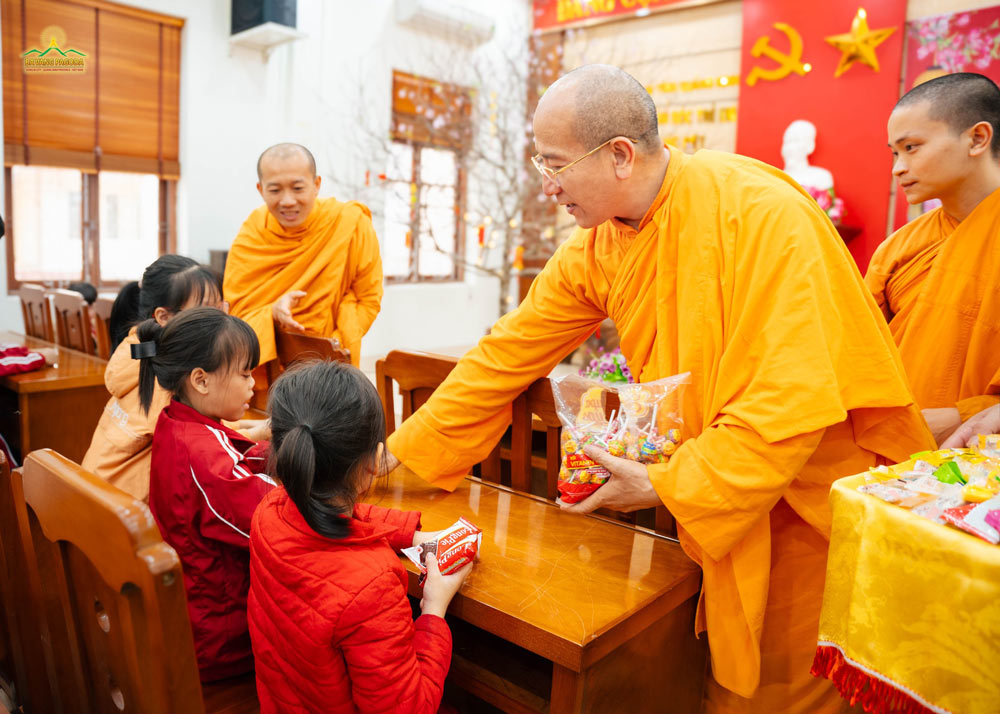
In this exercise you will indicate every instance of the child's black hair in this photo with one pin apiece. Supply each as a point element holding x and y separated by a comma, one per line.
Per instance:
<point>203,337</point>
<point>326,425</point>
<point>170,282</point>
<point>88,291</point>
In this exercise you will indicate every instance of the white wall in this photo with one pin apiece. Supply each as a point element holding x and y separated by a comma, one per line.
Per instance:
<point>234,103</point>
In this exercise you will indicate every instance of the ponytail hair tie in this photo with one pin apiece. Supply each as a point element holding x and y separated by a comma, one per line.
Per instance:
<point>143,350</point>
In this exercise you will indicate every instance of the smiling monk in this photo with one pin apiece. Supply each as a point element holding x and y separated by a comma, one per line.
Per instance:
<point>721,266</point>
<point>937,279</point>
<point>303,263</point>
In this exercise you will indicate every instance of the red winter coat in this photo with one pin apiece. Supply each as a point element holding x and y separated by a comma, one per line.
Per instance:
<point>331,626</point>
<point>205,482</point>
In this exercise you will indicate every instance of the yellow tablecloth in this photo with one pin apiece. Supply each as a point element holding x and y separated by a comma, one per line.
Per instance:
<point>911,610</point>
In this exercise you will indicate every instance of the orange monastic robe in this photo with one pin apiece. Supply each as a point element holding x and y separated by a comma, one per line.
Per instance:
<point>736,276</point>
<point>937,281</point>
<point>333,257</point>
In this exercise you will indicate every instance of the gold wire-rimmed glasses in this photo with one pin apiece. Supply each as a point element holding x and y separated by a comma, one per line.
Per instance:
<point>551,174</point>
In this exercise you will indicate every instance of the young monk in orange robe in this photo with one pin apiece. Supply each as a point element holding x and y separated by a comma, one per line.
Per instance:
<point>302,262</point>
<point>721,266</point>
<point>937,279</point>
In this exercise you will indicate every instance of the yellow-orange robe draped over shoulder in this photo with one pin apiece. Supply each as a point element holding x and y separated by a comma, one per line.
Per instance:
<point>736,276</point>
<point>937,281</point>
<point>333,257</point>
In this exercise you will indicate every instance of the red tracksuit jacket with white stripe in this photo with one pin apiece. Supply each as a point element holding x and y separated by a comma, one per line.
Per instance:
<point>205,483</point>
<point>14,359</point>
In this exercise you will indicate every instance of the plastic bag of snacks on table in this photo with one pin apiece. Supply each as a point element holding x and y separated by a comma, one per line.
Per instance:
<point>959,487</point>
<point>645,428</point>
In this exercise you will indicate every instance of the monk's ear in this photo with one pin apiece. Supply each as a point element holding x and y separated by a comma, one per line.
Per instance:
<point>981,136</point>
<point>260,190</point>
<point>318,180</point>
<point>624,157</point>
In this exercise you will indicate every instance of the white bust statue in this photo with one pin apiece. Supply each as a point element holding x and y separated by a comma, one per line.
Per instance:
<point>800,141</point>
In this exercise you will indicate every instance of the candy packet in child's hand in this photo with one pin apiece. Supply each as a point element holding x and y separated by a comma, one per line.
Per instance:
<point>644,428</point>
<point>454,547</point>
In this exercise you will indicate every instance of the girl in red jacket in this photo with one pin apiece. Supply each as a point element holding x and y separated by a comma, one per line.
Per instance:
<point>206,479</point>
<point>331,626</point>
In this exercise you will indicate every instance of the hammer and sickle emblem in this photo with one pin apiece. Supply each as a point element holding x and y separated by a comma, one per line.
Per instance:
<point>787,63</point>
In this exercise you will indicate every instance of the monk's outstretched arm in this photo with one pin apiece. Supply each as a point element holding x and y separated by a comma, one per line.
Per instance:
<point>469,412</point>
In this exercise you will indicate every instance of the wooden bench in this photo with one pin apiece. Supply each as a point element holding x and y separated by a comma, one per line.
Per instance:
<point>105,597</point>
<point>564,613</point>
<point>36,312</point>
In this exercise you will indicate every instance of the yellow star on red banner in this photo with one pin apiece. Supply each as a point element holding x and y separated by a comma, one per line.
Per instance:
<point>859,44</point>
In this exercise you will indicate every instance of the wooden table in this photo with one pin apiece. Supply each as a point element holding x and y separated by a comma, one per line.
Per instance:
<point>564,613</point>
<point>56,407</point>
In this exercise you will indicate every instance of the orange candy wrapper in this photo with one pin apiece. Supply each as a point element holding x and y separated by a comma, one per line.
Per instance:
<point>455,547</point>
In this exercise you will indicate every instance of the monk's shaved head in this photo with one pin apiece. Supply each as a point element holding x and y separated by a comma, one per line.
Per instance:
<point>280,152</point>
<point>607,102</point>
<point>960,100</point>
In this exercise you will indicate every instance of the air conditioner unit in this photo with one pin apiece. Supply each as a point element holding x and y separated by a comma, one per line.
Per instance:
<point>263,24</point>
<point>446,19</point>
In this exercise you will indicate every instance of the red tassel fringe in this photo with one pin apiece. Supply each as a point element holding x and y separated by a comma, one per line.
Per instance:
<point>858,687</point>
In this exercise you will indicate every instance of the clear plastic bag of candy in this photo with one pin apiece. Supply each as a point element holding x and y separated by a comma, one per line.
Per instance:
<point>645,427</point>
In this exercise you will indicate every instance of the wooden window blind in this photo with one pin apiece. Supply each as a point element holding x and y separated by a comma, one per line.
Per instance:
<point>120,114</point>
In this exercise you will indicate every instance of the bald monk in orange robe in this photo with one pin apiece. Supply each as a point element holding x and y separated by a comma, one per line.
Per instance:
<point>937,279</point>
<point>718,265</point>
<point>303,263</point>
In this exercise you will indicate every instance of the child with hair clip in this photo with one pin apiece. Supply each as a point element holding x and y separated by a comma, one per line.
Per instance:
<point>119,450</point>
<point>206,478</point>
<point>331,625</point>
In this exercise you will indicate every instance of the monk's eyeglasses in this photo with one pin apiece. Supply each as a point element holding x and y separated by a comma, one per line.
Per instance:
<point>551,174</point>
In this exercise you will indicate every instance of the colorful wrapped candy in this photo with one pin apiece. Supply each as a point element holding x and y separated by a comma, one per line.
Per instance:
<point>960,487</point>
<point>645,428</point>
<point>454,547</point>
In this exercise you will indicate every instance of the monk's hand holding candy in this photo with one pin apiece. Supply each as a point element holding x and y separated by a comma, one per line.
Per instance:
<point>628,489</point>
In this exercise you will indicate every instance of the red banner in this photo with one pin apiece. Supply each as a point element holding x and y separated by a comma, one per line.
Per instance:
<point>849,111</point>
<point>561,14</point>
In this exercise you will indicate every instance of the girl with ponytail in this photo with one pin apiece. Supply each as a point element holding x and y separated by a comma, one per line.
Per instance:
<point>119,450</point>
<point>330,622</point>
<point>206,479</point>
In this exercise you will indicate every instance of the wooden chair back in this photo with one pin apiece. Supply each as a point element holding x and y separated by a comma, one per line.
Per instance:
<point>417,375</point>
<point>537,401</point>
<point>100,312</point>
<point>294,346</point>
<point>36,312</point>
<point>16,665</point>
<point>113,609</point>
<point>72,318</point>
